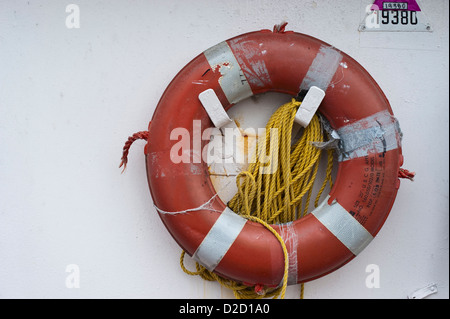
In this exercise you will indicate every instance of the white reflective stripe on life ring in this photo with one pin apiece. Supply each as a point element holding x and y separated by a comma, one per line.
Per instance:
<point>219,239</point>
<point>232,81</point>
<point>322,69</point>
<point>343,225</point>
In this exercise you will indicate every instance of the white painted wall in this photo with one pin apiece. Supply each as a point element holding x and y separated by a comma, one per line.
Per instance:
<point>69,98</point>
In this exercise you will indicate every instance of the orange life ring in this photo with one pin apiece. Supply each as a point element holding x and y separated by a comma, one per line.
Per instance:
<point>367,179</point>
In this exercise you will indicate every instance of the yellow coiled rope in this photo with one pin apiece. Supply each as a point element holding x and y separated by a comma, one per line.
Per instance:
<point>280,194</point>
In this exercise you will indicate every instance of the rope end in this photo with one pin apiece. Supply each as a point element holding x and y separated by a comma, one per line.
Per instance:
<point>143,135</point>
<point>404,173</point>
<point>124,164</point>
<point>279,28</point>
<point>259,290</point>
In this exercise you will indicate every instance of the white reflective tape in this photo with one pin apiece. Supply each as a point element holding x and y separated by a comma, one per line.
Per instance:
<point>219,239</point>
<point>233,81</point>
<point>377,133</point>
<point>342,225</point>
<point>309,106</point>
<point>214,108</point>
<point>322,69</point>
<point>290,238</point>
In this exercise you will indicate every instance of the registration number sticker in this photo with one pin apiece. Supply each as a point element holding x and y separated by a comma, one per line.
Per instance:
<point>394,16</point>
